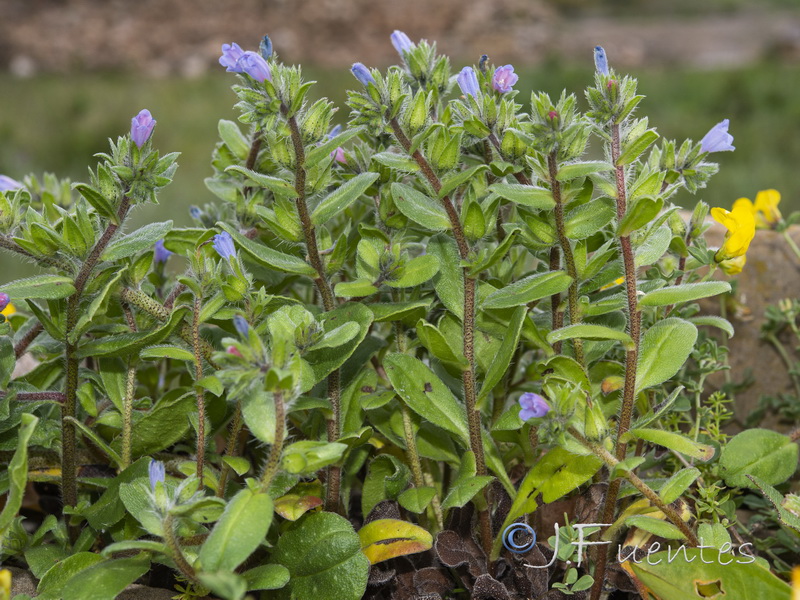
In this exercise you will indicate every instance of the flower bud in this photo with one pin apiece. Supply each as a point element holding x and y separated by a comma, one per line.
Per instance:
<point>504,79</point>
<point>241,324</point>
<point>362,74</point>
<point>234,351</point>
<point>338,155</point>
<point>265,47</point>
<point>157,473</point>
<point>4,300</point>
<point>161,254</point>
<point>717,139</point>
<point>533,406</point>
<point>195,212</point>
<point>255,66</point>
<point>223,244</point>
<point>600,60</point>
<point>468,82</point>
<point>142,126</point>
<point>401,42</point>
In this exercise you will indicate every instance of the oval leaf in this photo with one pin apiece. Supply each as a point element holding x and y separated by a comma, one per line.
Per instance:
<point>388,538</point>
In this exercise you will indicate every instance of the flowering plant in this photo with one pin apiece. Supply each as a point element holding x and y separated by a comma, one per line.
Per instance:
<point>430,324</point>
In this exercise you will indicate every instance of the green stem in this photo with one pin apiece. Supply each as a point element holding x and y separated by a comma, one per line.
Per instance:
<point>176,553</point>
<point>412,454</point>
<point>274,460</point>
<point>231,448</point>
<point>127,416</point>
<point>791,243</point>
<point>787,360</point>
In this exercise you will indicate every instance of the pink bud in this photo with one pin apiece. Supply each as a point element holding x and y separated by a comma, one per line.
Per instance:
<point>235,351</point>
<point>552,115</point>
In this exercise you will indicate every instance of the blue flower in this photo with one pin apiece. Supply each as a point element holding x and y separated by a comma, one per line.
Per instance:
<point>255,66</point>
<point>231,53</point>
<point>161,254</point>
<point>600,60</point>
<point>717,139</point>
<point>504,79</point>
<point>7,184</point>
<point>265,47</point>
<point>468,82</point>
<point>362,74</point>
<point>156,472</point>
<point>533,406</point>
<point>335,130</point>
<point>195,212</point>
<point>401,42</point>
<point>142,126</point>
<point>223,244</point>
<point>241,324</point>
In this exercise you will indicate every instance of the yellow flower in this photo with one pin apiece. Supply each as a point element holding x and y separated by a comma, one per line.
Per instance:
<point>8,310</point>
<point>5,583</point>
<point>733,266</point>
<point>741,229</point>
<point>765,210</point>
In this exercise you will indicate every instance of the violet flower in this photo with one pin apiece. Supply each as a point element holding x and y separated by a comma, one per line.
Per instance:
<point>157,473</point>
<point>142,126</point>
<point>600,60</point>
<point>161,254</point>
<point>362,74</point>
<point>4,300</point>
<point>468,82</point>
<point>338,155</point>
<point>335,130</point>
<point>717,139</point>
<point>401,42</point>
<point>533,406</point>
<point>255,66</point>
<point>241,324</point>
<point>8,185</point>
<point>504,79</point>
<point>223,244</point>
<point>231,53</point>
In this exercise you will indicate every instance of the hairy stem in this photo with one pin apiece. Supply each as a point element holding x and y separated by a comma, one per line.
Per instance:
<point>44,261</point>
<point>231,448</point>
<point>37,396</point>
<point>201,400</point>
<point>127,414</point>
<point>176,553</point>
<point>27,339</point>
<point>274,460</point>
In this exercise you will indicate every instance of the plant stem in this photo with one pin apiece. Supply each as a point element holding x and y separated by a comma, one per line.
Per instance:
<point>631,358</point>
<point>37,396</point>
<point>412,455</point>
<point>127,414</point>
<point>69,484</point>
<point>787,360</point>
<point>566,249</point>
<point>274,460</point>
<point>470,283</point>
<point>45,261</point>
<point>27,339</point>
<point>175,549</point>
<point>231,448</point>
<point>791,243</point>
<point>201,401</point>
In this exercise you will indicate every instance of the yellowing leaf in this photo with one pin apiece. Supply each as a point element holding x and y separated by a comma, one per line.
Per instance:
<point>388,538</point>
<point>293,506</point>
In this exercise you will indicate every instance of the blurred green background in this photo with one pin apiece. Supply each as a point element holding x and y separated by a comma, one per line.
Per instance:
<point>54,121</point>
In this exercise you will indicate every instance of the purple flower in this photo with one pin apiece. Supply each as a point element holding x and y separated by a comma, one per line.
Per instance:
<point>362,74</point>
<point>223,244</point>
<point>7,184</point>
<point>255,66</point>
<point>241,324</point>
<point>265,47</point>
<point>142,126</point>
<point>600,60</point>
<point>338,155</point>
<point>156,472</point>
<point>161,254</point>
<point>717,139</point>
<point>401,42</point>
<point>4,300</point>
<point>231,53</point>
<point>504,79</point>
<point>195,212</point>
<point>533,406</point>
<point>336,130</point>
<point>468,82</point>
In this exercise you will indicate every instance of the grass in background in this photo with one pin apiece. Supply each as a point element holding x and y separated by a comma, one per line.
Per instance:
<point>56,124</point>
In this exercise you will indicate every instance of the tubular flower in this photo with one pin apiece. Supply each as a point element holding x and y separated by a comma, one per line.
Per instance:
<point>160,253</point>
<point>600,60</point>
<point>765,209</point>
<point>8,185</point>
<point>533,406</point>
<point>362,74</point>
<point>718,139</point>
<point>231,53</point>
<point>142,126</point>
<point>733,266</point>
<point>741,229</point>
<point>504,79</point>
<point>156,473</point>
<point>223,244</point>
<point>255,66</point>
<point>401,42</point>
<point>468,82</point>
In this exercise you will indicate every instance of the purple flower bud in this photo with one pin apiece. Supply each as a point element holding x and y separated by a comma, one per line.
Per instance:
<point>195,212</point>
<point>483,62</point>
<point>7,184</point>
<point>234,350</point>
<point>255,66</point>
<point>4,300</point>
<point>161,254</point>
<point>401,42</point>
<point>533,406</point>
<point>241,324</point>
<point>600,60</point>
<point>717,139</point>
<point>504,79</point>
<point>265,47</point>
<point>142,126</point>
<point>468,82</point>
<point>362,74</point>
<point>223,244</point>
<point>338,155</point>
<point>231,53</point>
<point>336,130</point>
<point>156,472</point>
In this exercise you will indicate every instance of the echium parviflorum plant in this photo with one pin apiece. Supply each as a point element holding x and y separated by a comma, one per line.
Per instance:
<point>391,360</point>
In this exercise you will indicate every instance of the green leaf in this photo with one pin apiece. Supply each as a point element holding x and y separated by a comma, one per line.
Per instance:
<point>99,202</point>
<point>326,360</point>
<point>137,545</point>
<point>582,169</point>
<point>778,501</point>
<point>323,555</point>
<point>435,341</point>
<point>386,479</point>
<point>586,331</point>
<point>266,577</point>
<point>533,287</point>
<point>241,529</point>
<point>268,257</point>
<point>452,182</point>
<point>665,347</point>
<point>634,149</point>
<point>655,526</point>
<point>7,361</point>
<point>227,585</point>
<point>653,247</point>
<point>109,508</point>
<point>589,218</point>
<point>233,138</point>
<point>398,162</point>
<point>525,195</point>
<point>713,321</point>
<point>359,288</point>
<point>17,474</point>
<point>417,499</point>
<point>323,151</point>
<point>59,574</point>
<point>449,283</point>
<point>87,315</point>
<point>640,214</point>
<point>416,272</point>
<point>307,456</point>
<point>212,384</point>
<point>425,394</point>
<point>675,441</point>
<point>768,455</point>
<point>497,369</point>
<point>421,209</point>
<point>676,485</point>
<point>342,197</point>
<point>384,539</point>
<point>467,484</point>
<point>163,425</point>
<point>45,287</point>
<point>258,411</point>
<point>136,241</point>
<point>159,352</point>
<point>279,187</point>
<point>105,580</point>
<point>686,292</point>
<point>399,311</point>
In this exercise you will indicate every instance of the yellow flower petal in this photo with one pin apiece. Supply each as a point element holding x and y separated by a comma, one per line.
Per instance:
<point>767,204</point>
<point>741,228</point>
<point>8,310</point>
<point>745,202</point>
<point>733,266</point>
